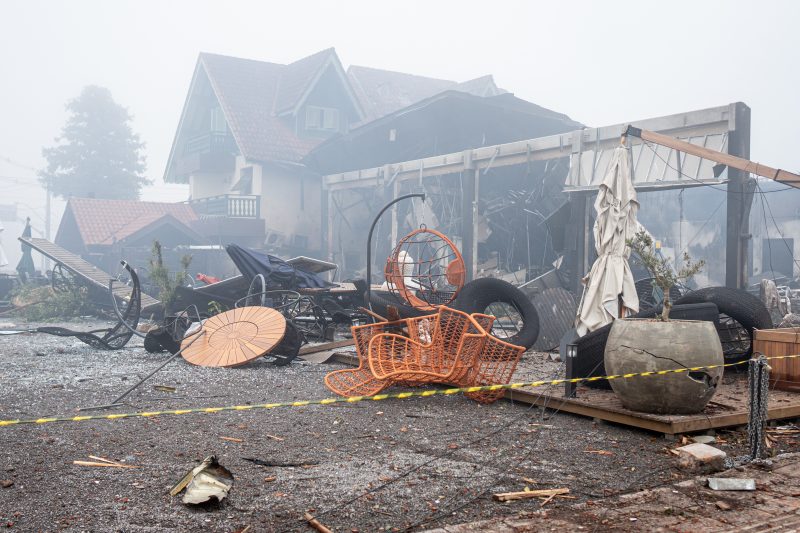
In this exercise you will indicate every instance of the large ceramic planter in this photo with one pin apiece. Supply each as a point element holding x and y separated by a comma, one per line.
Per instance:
<point>635,346</point>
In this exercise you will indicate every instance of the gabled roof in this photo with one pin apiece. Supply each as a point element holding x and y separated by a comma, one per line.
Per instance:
<point>246,90</point>
<point>297,78</point>
<point>255,96</point>
<point>102,222</point>
<point>382,92</point>
<point>154,224</point>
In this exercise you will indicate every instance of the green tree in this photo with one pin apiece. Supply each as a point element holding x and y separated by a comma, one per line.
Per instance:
<point>98,154</point>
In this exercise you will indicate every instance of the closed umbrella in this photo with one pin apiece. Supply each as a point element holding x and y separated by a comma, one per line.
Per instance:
<point>25,267</point>
<point>610,279</point>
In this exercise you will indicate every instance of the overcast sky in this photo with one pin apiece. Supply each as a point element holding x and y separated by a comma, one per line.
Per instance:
<point>599,62</point>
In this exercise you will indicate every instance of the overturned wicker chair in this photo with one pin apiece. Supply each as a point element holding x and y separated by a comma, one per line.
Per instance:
<point>450,347</point>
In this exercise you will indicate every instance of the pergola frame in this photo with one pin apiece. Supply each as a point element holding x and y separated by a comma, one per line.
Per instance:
<point>731,121</point>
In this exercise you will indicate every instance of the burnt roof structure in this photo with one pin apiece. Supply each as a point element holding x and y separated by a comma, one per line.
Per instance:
<point>447,122</point>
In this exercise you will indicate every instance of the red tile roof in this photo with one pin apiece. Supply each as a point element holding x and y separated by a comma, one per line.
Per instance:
<point>104,221</point>
<point>255,94</point>
<point>246,90</point>
<point>297,78</point>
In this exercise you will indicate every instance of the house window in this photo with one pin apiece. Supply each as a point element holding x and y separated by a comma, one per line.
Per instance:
<point>218,120</point>
<point>322,118</point>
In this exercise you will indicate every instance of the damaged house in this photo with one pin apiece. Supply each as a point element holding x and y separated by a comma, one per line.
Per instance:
<point>247,127</point>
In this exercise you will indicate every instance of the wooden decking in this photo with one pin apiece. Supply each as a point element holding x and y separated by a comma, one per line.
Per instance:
<point>729,407</point>
<point>84,269</point>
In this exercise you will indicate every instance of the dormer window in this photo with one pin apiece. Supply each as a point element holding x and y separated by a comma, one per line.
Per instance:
<point>322,118</point>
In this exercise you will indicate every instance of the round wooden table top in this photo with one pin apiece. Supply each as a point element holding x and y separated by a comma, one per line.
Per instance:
<point>236,337</point>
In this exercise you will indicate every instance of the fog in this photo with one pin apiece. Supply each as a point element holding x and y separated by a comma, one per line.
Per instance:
<point>598,62</point>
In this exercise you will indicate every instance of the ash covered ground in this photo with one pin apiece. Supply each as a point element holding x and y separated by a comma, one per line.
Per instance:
<point>391,465</point>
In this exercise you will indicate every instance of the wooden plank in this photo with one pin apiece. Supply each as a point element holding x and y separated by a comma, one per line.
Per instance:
<point>728,407</point>
<point>605,406</point>
<point>732,161</point>
<point>780,335</point>
<point>83,269</point>
<point>568,405</point>
<point>326,346</point>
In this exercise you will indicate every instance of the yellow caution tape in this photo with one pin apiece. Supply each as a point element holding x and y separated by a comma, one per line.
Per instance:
<point>377,397</point>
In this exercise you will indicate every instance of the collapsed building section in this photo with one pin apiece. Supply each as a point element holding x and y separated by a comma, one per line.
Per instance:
<point>521,208</point>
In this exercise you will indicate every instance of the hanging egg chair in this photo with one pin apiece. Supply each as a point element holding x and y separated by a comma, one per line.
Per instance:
<point>425,269</point>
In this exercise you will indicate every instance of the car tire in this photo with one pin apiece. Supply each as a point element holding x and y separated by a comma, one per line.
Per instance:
<point>476,296</point>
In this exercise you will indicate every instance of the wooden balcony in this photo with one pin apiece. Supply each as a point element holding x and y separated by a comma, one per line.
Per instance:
<point>228,205</point>
<point>210,152</point>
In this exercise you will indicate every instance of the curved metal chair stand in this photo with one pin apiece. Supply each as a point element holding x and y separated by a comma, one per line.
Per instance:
<point>117,336</point>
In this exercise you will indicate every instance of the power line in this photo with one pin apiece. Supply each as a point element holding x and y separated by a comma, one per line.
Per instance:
<point>777,229</point>
<point>17,164</point>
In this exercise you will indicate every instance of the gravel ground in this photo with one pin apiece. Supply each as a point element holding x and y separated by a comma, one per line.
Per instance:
<point>427,461</point>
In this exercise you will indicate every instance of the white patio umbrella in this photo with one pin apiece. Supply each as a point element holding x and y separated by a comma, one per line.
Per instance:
<point>610,278</point>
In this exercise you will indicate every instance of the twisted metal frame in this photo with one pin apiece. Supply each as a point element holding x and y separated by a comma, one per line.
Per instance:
<point>117,336</point>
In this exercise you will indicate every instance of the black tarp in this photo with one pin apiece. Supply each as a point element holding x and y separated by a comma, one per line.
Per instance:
<point>276,271</point>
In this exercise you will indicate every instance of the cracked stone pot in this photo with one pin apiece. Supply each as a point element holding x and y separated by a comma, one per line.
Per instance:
<point>651,345</point>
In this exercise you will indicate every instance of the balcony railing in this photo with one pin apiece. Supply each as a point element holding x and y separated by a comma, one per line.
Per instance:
<point>212,142</point>
<point>229,205</point>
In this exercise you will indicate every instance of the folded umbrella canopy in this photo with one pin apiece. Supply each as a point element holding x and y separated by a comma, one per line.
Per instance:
<point>25,267</point>
<point>275,270</point>
<point>610,278</point>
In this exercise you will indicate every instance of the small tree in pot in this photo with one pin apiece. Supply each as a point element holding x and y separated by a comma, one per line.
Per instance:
<point>664,276</point>
<point>647,345</point>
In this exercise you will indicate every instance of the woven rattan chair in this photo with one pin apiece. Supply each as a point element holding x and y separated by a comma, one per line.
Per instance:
<point>449,347</point>
<point>439,351</point>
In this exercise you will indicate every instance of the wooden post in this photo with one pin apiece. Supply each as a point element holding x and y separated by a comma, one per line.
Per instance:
<point>468,184</point>
<point>325,224</point>
<point>739,200</point>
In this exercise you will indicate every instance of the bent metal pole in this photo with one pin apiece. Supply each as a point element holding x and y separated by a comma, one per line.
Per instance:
<point>420,195</point>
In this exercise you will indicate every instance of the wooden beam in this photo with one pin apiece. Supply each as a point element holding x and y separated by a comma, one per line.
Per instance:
<point>314,348</point>
<point>732,161</point>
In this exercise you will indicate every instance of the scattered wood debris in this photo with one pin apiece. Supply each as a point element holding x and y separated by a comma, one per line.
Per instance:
<point>101,462</point>
<point>316,524</point>
<point>231,439</point>
<point>282,464</point>
<point>527,494</point>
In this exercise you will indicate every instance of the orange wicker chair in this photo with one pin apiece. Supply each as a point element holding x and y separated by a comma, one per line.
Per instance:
<point>495,365</point>
<point>360,381</point>
<point>441,353</point>
<point>449,347</point>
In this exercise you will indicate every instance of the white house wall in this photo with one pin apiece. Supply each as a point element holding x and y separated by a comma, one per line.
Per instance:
<point>282,209</point>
